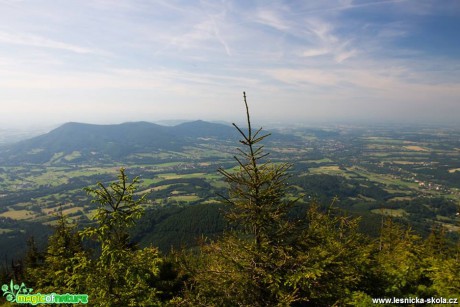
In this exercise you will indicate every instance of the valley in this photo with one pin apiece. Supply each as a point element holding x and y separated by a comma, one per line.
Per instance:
<point>411,174</point>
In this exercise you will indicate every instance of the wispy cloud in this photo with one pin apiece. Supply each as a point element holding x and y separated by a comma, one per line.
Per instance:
<point>343,55</point>
<point>315,52</point>
<point>39,41</point>
<point>271,18</point>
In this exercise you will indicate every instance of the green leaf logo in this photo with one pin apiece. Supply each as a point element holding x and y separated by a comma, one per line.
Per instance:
<point>12,290</point>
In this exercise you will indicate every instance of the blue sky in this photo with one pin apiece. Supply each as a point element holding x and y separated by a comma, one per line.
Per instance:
<point>107,61</point>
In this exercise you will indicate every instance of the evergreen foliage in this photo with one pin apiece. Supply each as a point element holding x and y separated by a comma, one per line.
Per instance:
<point>269,259</point>
<point>119,274</point>
<point>58,261</point>
<point>122,275</point>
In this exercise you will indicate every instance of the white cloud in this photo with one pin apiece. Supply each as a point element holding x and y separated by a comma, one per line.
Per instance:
<point>341,56</point>
<point>38,41</point>
<point>271,18</point>
<point>182,51</point>
<point>315,52</point>
<point>304,76</point>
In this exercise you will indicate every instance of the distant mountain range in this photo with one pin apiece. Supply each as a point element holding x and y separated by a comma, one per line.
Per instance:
<point>77,142</point>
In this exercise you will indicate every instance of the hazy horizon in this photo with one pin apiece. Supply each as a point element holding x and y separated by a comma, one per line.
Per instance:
<point>107,62</point>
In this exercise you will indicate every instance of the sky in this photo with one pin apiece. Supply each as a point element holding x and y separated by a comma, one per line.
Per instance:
<point>112,61</point>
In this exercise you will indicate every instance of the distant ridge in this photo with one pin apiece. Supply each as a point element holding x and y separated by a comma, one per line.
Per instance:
<point>110,141</point>
<point>200,128</point>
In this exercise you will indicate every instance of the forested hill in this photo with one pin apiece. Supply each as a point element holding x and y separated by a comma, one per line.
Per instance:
<point>85,143</point>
